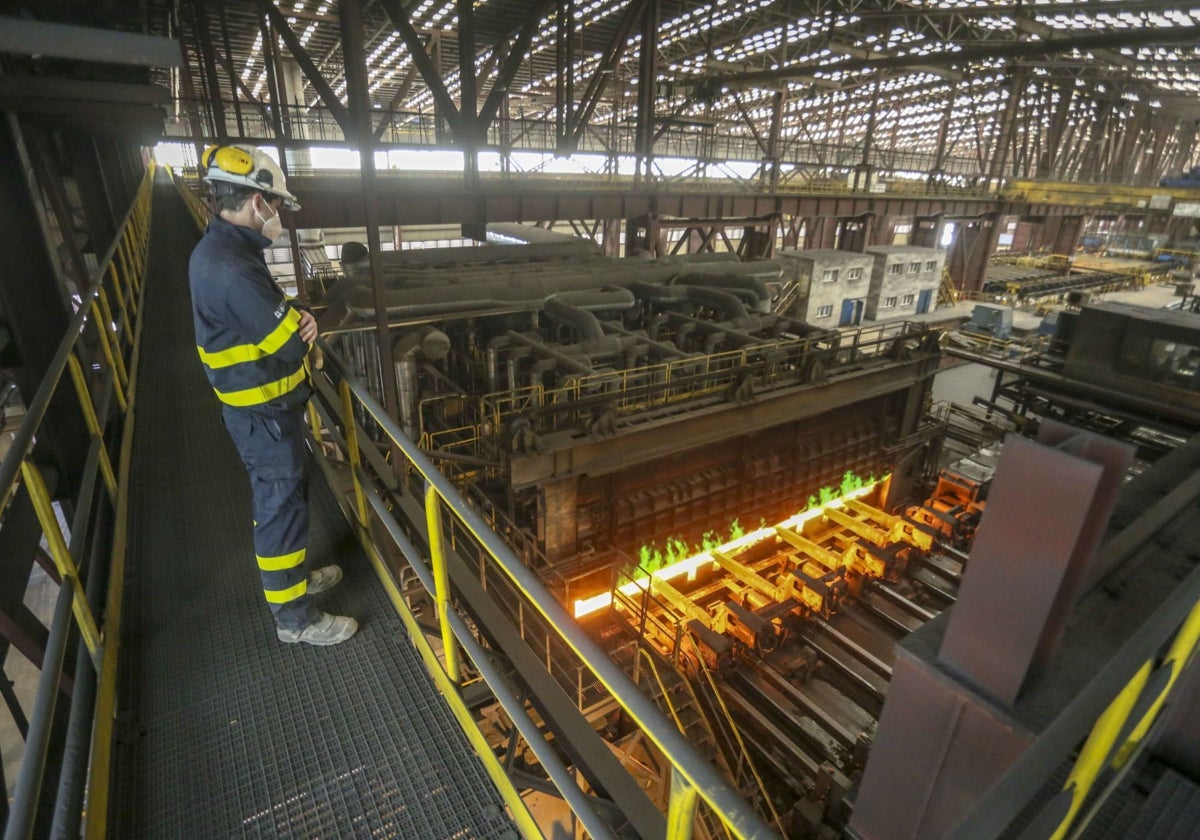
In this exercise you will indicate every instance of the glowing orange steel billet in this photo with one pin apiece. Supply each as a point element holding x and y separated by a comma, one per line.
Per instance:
<point>689,566</point>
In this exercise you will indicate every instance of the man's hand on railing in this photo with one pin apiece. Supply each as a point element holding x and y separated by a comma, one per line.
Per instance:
<point>308,327</point>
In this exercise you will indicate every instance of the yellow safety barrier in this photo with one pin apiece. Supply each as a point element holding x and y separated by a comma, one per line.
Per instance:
<point>104,389</point>
<point>1103,747</point>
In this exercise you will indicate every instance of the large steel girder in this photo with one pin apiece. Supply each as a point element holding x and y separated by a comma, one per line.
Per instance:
<point>333,202</point>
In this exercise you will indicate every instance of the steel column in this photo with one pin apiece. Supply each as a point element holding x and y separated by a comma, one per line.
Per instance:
<point>1050,157</point>
<point>936,175</point>
<point>268,51</point>
<point>208,55</point>
<point>562,51</point>
<point>969,251</point>
<point>1066,240</point>
<point>430,71</point>
<point>606,71</point>
<point>1008,120</point>
<point>862,172</point>
<point>469,138</point>
<point>350,23</point>
<point>192,106</point>
<point>311,71</point>
<point>246,92</point>
<point>507,72</point>
<point>228,64</point>
<point>772,149</point>
<point>647,83</point>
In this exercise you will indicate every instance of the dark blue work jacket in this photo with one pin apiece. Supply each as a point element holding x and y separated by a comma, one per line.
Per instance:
<point>246,329</point>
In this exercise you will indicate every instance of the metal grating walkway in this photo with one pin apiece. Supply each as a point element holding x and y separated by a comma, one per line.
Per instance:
<point>223,731</point>
<point>1160,804</point>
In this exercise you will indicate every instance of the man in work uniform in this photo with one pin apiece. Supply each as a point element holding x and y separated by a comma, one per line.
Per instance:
<point>252,341</point>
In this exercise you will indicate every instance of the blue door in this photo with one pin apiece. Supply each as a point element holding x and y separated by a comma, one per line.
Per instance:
<point>852,309</point>
<point>923,301</point>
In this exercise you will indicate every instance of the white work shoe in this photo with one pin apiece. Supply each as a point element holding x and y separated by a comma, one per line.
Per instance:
<point>326,630</point>
<point>324,579</point>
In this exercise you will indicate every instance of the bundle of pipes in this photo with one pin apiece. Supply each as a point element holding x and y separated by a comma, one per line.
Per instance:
<point>444,292</point>
<point>601,344</point>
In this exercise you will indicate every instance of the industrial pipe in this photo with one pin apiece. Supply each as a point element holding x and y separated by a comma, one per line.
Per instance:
<point>434,344</point>
<point>506,285</point>
<point>584,323</point>
<point>722,301</point>
<point>753,290</point>
<point>663,348</point>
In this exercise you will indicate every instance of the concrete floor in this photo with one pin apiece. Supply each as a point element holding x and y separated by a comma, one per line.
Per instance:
<point>961,383</point>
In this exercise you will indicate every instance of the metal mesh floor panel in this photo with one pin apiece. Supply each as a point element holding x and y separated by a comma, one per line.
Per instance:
<point>223,731</point>
<point>1172,812</point>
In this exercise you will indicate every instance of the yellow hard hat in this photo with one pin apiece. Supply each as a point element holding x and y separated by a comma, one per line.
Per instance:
<point>246,166</point>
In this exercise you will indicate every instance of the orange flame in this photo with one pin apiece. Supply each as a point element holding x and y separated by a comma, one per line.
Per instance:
<point>690,565</point>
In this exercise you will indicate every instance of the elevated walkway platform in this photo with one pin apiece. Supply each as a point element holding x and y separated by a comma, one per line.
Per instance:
<point>222,731</point>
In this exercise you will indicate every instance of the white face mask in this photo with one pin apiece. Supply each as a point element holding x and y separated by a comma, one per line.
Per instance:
<point>272,226</point>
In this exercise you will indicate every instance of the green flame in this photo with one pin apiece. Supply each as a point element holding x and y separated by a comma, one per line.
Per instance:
<point>651,557</point>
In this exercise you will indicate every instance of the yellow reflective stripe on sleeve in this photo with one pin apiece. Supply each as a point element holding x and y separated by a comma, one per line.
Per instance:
<point>252,352</point>
<point>282,596</point>
<point>263,394</point>
<point>281,563</point>
<point>279,336</point>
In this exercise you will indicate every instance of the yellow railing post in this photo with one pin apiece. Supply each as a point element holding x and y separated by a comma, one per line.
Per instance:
<point>360,500</point>
<point>109,356</point>
<point>135,269</point>
<point>441,580</point>
<point>119,293</point>
<point>62,557</point>
<point>123,283</point>
<point>314,422</point>
<point>93,424</point>
<point>1097,749</point>
<point>126,259</point>
<point>118,357</point>
<point>681,809</point>
<point>135,275</point>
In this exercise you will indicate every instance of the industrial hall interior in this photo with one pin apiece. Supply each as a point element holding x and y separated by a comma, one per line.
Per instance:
<point>563,419</point>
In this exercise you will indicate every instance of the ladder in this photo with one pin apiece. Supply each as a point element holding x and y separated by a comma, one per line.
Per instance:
<point>947,292</point>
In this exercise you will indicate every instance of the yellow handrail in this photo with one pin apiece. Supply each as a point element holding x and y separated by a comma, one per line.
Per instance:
<point>120,273</point>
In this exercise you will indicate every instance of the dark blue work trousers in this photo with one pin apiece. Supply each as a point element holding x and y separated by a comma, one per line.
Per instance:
<point>272,448</point>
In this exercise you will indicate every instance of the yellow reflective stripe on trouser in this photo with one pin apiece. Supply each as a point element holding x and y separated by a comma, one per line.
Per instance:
<point>263,394</point>
<point>253,352</point>
<point>282,596</point>
<point>281,563</point>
